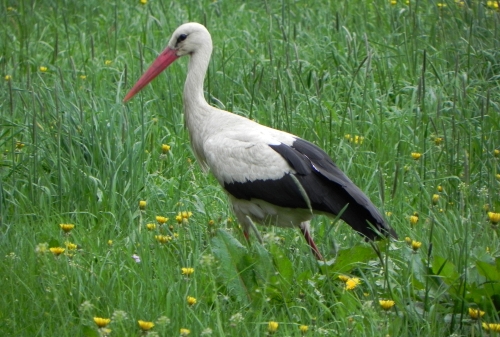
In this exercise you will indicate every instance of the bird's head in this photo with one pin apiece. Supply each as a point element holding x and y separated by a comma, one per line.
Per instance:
<point>188,39</point>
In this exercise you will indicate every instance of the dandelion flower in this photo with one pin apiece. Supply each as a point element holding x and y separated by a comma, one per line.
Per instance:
<point>352,283</point>
<point>179,219</point>
<point>165,148</point>
<point>496,153</point>
<point>71,246</point>
<point>272,327</point>
<point>57,250</point>
<point>491,327</point>
<point>415,245</point>
<point>416,155</point>
<point>303,328</point>
<point>211,222</point>
<point>151,226</point>
<point>163,238</point>
<point>475,313</point>
<point>161,219</point>
<point>413,220</point>
<point>441,5</point>
<point>110,242</point>
<point>108,62</point>
<point>66,227</point>
<point>394,2</point>
<point>494,217</point>
<point>145,325</point>
<point>83,77</point>
<point>43,69</point>
<point>143,2</point>
<point>408,240</point>
<point>386,304</point>
<point>435,198</point>
<point>191,300</point>
<point>187,271</point>
<point>142,205</point>
<point>101,322</point>
<point>8,77</point>
<point>344,278</point>
<point>438,140</point>
<point>440,188</point>
<point>185,332</point>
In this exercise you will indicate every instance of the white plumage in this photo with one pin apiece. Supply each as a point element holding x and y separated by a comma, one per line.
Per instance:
<point>270,176</point>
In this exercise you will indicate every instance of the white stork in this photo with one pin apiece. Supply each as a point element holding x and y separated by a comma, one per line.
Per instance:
<point>271,177</point>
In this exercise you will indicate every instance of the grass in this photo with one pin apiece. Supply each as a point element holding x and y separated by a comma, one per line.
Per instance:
<point>421,77</point>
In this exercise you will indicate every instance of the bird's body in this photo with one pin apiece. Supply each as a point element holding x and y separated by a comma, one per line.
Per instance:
<point>271,177</point>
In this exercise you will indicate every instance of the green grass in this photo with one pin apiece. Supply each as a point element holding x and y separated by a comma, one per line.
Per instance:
<point>398,75</point>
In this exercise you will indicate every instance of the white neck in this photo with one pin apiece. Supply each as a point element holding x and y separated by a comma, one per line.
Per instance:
<point>193,96</point>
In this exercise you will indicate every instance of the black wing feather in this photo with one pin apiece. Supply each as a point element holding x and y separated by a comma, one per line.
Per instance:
<point>328,188</point>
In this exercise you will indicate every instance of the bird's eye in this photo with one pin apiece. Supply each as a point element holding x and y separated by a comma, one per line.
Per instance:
<point>181,38</point>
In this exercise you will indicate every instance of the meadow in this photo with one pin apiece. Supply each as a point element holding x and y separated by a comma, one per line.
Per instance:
<point>106,219</point>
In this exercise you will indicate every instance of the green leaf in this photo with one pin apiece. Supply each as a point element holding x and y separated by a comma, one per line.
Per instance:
<point>231,254</point>
<point>89,332</point>
<point>444,268</point>
<point>348,259</point>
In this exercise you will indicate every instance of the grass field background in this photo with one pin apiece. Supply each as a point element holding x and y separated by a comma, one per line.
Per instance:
<point>371,82</point>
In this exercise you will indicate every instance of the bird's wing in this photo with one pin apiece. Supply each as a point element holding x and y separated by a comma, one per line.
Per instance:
<point>246,165</point>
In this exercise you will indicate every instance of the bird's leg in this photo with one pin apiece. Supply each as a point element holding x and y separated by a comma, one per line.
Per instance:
<point>304,228</point>
<point>254,228</point>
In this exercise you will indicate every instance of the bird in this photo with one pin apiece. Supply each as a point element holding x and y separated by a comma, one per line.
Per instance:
<point>271,177</point>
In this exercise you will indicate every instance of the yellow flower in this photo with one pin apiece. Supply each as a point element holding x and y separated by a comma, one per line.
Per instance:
<point>161,219</point>
<point>178,218</point>
<point>165,148</point>
<point>163,238</point>
<point>435,198</point>
<point>272,327</point>
<point>441,5</point>
<point>43,69</point>
<point>408,240</point>
<point>8,77</point>
<point>394,2</point>
<point>145,326</point>
<point>413,220</point>
<point>70,246</point>
<point>388,213</point>
<point>150,226</point>
<point>143,2</point>
<point>184,332</point>
<point>211,222</point>
<point>110,242</point>
<point>475,313</point>
<point>438,140</point>
<point>187,271</point>
<point>496,152</point>
<point>142,205</point>
<point>83,77</point>
<point>386,304</point>
<point>440,188</point>
<point>492,4</point>
<point>57,250</point>
<point>66,227</point>
<point>352,283</point>
<point>415,245</point>
<point>494,217</point>
<point>108,62</point>
<point>344,278</point>
<point>498,176</point>
<point>303,328</point>
<point>101,322</point>
<point>491,327</point>
<point>191,300</point>
<point>416,155</point>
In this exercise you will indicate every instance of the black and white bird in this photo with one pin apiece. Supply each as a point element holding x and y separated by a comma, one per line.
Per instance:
<point>271,177</point>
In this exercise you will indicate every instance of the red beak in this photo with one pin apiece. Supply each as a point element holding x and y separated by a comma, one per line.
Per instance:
<point>163,61</point>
